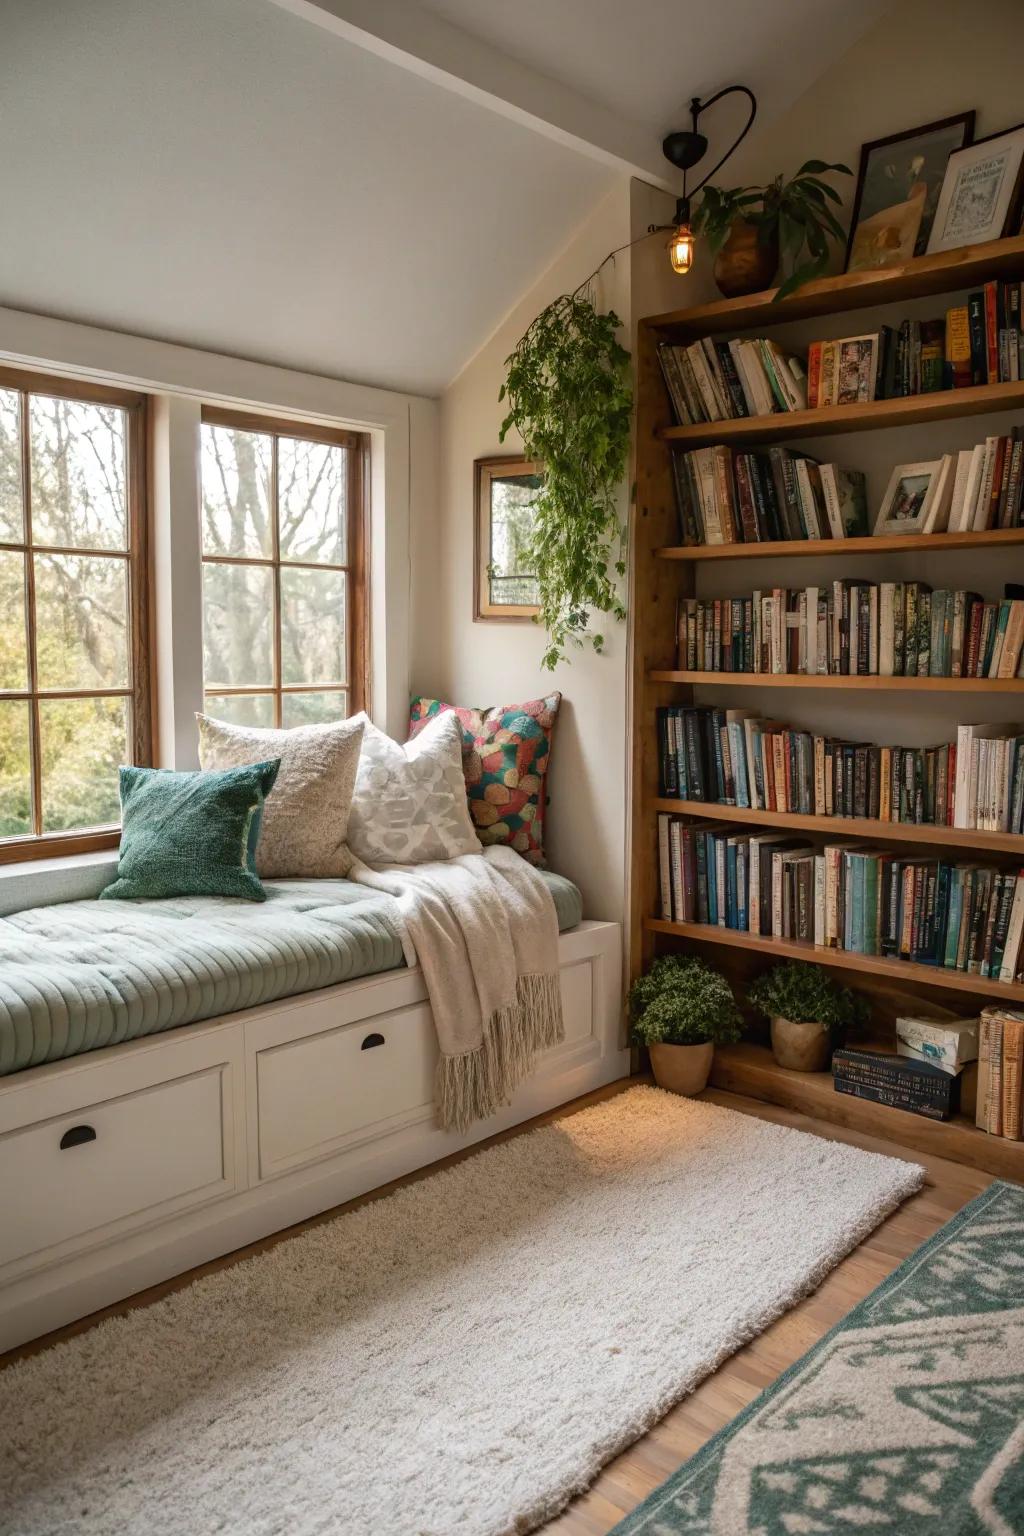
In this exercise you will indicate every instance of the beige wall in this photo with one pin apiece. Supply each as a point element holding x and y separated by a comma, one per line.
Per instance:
<point>493,663</point>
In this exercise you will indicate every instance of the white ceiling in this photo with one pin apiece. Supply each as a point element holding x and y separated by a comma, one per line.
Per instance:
<point>229,175</point>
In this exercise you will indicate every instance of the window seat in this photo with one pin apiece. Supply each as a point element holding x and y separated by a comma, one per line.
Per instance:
<point>86,974</point>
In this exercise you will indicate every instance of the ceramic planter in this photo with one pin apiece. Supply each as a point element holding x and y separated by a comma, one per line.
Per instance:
<point>682,1068</point>
<point>745,263</point>
<point>801,1047</point>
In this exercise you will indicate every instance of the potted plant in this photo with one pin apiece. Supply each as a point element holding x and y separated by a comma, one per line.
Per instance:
<point>749,228</point>
<point>681,1009</point>
<point>809,1013</point>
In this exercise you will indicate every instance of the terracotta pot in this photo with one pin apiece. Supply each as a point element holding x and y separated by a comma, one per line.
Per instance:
<point>682,1068</point>
<point>801,1047</point>
<point>745,263</point>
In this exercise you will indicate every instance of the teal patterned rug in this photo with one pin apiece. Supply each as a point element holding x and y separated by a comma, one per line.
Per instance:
<point>907,1418</point>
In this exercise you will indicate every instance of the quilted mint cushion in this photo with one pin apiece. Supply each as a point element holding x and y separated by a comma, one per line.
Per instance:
<point>86,974</point>
<point>191,834</point>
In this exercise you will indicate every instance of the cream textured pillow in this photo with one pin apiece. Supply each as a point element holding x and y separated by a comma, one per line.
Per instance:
<point>306,817</point>
<point>410,802</point>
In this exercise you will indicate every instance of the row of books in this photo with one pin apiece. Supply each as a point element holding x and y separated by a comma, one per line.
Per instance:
<point>980,488</point>
<point>731,497</point>
<point>897,1081</point>
<point>961,916</point>
<point>1000,1072</point>
<point>732,757</point>
<point>886,364</point>
<point>854,628</point>
<point>985,342</point>
<point>713,380</point>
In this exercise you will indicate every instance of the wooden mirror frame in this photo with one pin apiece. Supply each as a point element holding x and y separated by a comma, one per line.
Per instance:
<point>485,471</point>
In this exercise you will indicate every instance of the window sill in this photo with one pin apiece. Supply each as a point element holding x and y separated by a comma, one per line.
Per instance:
<point>45,882</point>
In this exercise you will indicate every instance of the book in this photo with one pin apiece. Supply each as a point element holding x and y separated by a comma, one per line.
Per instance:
<point>949,1046</point>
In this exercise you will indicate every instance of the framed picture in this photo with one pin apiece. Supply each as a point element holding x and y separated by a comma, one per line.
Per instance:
<point>907,498</point>
<point>898,188</point>
<point>505,492</point>
<point>982,192</point>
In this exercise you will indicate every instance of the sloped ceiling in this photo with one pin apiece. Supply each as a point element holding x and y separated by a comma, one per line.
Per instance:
<point>231,175</point>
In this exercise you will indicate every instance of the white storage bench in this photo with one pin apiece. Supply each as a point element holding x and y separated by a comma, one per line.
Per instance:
<point>127,1165</point>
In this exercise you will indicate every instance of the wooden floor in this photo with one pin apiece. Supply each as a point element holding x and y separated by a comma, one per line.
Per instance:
<point>630,1477</point>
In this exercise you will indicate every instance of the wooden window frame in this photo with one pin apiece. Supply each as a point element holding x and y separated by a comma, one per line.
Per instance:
<point>357,605</point>
<point>45,845</point>
<point>485,471</point>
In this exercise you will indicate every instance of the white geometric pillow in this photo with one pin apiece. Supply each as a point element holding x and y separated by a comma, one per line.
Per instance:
<point>410,804</point>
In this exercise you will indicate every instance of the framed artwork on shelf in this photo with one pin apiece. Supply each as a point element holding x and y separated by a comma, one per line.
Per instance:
<point>982,193</point>
<point>898,186</point>
<point>907,498</point>
<point>505,493</point>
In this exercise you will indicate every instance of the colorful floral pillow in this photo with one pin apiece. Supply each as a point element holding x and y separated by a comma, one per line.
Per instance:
<point>505,757</point>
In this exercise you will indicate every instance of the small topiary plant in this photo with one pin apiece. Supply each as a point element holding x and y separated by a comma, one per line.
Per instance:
<point>807,995</point>
<point>683,1001</point>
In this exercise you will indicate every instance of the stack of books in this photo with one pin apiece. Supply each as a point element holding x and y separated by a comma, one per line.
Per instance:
<point>916,1086</point>
<point>734,757</point>
<point>1000,1070</point>
<point>715,380</point>
<point>728,497</point>
<point>960,916</point>
<point>854,628</point>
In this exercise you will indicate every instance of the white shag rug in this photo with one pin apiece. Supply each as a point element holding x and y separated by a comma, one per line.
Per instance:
<point>458,1359</point>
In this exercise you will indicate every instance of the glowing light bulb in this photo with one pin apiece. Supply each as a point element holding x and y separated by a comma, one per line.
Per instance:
<point>680,248</point>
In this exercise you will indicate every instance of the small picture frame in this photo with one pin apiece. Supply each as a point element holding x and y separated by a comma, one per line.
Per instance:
<point>907,498</point>
<point>981,194</point>
<point>504,491</point>
<point>898,186</point>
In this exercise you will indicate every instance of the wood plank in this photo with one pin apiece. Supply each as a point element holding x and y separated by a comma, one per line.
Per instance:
<point>845,826</point>
<point>843,959</point>
<point>918,278</point>
<point>884,544</point>
<point>752,1070</point>
<point>972,685</point>
<point>865,416</point>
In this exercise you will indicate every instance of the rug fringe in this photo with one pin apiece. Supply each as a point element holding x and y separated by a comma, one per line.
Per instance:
<point>476,1084</point>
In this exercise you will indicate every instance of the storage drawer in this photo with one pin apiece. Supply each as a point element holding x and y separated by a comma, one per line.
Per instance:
<point>77,1173</point>
<point>318,1094</point>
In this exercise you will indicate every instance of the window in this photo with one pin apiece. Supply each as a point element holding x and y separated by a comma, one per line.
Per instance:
<point>284,588</point>
<point>506,492</point>
<point>74,657</point>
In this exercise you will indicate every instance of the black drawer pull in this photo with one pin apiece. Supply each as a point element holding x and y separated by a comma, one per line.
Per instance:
<point>370,1041</point>
<point>77,1135</point>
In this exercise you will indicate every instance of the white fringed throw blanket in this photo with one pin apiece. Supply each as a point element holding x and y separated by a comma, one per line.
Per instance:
<point>484,931</point>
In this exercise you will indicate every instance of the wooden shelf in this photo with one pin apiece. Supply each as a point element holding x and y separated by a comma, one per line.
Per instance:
<point>976,686</point>
<point>752,1070</point>
<point>915,279</point>
<point>868,416</point>
<point>851,826</point>
<point>843,959</point>
<point>884,544</point>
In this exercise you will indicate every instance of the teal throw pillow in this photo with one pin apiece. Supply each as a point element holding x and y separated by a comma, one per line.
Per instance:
<point>191,834</point>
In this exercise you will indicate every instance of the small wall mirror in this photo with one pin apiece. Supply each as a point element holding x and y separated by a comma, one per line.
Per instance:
<point>506,492</point>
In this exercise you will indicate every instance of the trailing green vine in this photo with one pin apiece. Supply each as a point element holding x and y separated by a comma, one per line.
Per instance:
<point>570,399</point>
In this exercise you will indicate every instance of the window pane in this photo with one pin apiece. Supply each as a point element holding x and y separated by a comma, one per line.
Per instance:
<point>11,527</point>
<point>81,621</point>
<point>312,495</point>
<point>238,605</point>
<point>79,491</point>
<point>236,492</point>
<point>83,743</point>
<point>241,708</point>
<point>313,708</point>
<point>15,769</point>
<point>312,626</point>
<point>13,653</point>
<point>512,521</point>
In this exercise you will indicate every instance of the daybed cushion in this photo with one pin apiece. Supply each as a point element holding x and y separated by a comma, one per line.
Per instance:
<point>86,974</point>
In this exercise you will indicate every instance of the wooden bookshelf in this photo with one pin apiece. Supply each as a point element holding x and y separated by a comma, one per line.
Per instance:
<point>884,544</point>
<point>752,1070</point>
<point>831,827</point>
<point>663,573</point>
<point>970,685</point>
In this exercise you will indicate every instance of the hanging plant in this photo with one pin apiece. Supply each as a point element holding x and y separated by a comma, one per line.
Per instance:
<point>570,399</point>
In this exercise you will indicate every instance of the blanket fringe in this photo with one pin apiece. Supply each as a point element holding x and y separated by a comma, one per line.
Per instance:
<point>476,1084</point>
